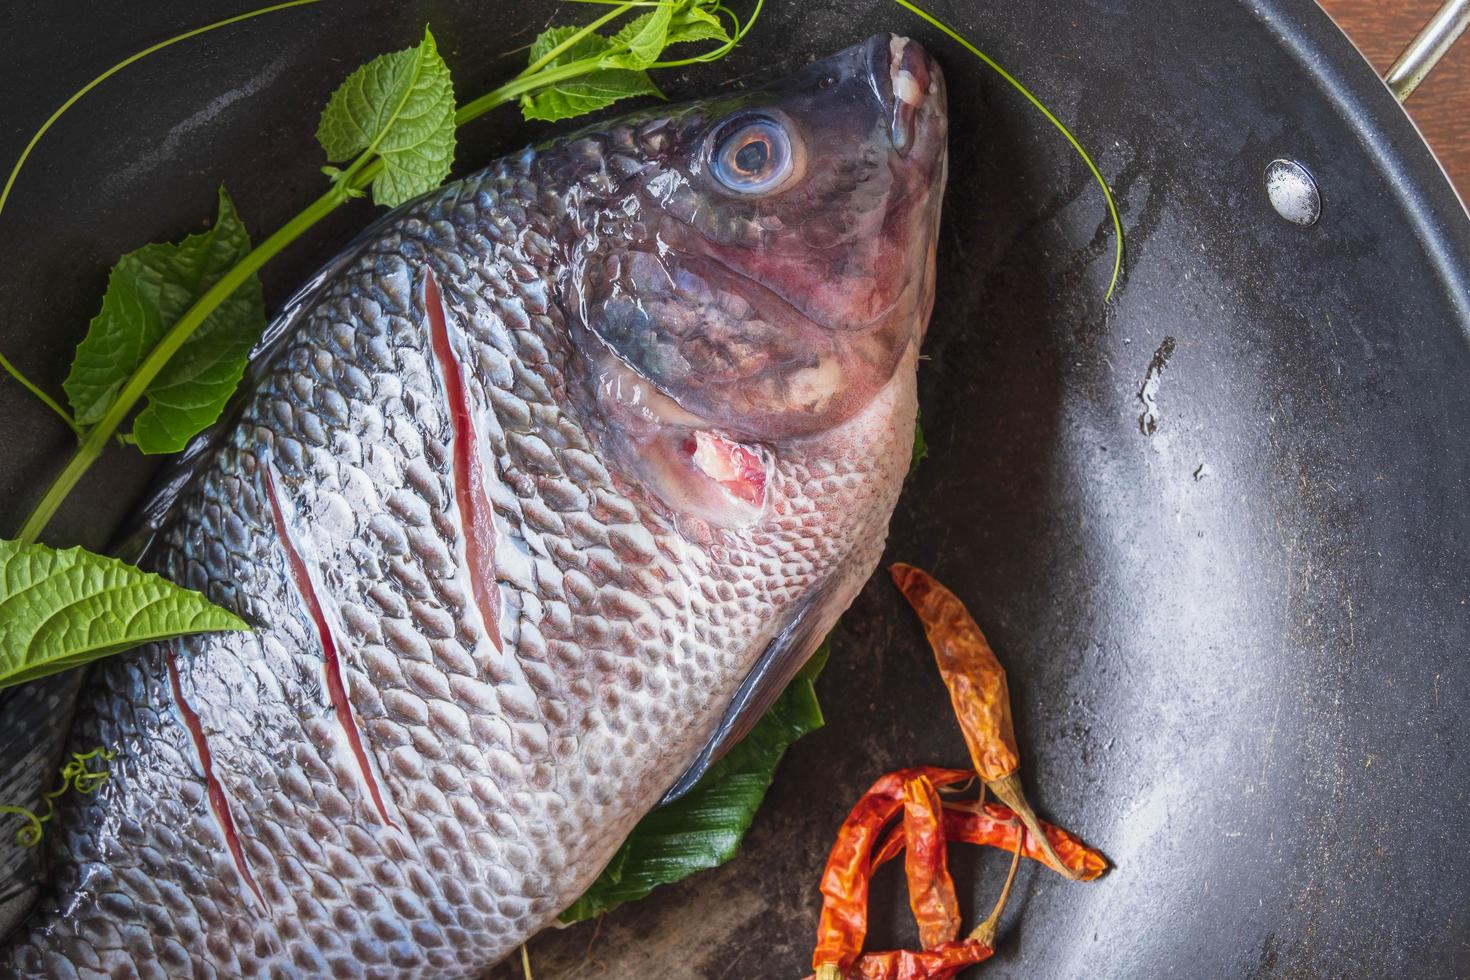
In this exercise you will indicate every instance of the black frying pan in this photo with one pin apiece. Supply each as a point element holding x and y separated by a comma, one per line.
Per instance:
<point>1239,647</point>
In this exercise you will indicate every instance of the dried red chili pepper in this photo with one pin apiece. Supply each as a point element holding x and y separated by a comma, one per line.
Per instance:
<point>977,685</point>
<point>993,825</point>
<point>843,924</point>
<point>939,963</point>
<point>931,889</point>
<point>977,688</point>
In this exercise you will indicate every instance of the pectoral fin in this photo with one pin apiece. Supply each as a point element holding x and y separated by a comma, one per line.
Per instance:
<point>783,658</point>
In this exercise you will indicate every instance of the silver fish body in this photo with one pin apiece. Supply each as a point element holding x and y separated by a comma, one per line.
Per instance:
<point>534,480</point>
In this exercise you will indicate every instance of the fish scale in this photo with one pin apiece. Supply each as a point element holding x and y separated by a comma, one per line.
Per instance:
<point>387,777</point>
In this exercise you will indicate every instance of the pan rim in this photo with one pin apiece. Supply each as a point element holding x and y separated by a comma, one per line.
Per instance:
<point>1413,175</point>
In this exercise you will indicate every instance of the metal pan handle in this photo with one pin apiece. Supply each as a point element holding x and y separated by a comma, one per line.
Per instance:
<point>1424,52</point>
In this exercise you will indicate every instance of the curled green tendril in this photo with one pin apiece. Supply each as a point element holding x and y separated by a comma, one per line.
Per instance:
<point>74,775</point>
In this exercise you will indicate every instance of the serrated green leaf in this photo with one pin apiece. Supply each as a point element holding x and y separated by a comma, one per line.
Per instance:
<point>703,829</point>
<point>586,93</point>
<point>696,24</point>
<point>191,391</point>
<point>63,609</point>
<point>587,46</point>
<point>399,106</point>
<point>644,38</point>
<point>147,291</point>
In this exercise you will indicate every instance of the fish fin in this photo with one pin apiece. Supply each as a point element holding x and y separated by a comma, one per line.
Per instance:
<point>37,720</point>
<point>782,660</point>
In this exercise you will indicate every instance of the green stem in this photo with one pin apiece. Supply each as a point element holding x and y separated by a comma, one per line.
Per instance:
<point>99,435</point>
<point>714,54</point>
<point>15,171</point>
<point>1061,127</point>
<point>555,52</point>
<point>520,85</point>
<point>35,389</point>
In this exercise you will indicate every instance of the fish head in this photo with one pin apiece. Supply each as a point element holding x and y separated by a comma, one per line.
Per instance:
<point>760,263</point>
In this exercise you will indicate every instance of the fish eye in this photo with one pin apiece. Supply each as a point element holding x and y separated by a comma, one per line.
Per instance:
<point>751,155</point>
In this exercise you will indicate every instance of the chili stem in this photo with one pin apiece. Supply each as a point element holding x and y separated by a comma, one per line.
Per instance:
<point>526,962</point>
<point>985,931</point>
<point>829,972</point>
<point>1008,790</point>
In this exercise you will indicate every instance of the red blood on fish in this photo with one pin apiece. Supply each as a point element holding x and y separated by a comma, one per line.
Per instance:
<point>219,804</point>
<point>737,468</point>
<point>336,689</point>
<point>475,512</point>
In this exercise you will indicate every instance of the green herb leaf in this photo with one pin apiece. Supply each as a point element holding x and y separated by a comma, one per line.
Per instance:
<point>703,829</point>
<point>586,93</point>
<point>62,609</point>
<point>399,106</point>
<point>694,23</point>
<point>190,393</point>
<point>593,91</point>
<point>588,46</point>
<point>644,38</point>
<point>147,292</point>
<point>921,448</point>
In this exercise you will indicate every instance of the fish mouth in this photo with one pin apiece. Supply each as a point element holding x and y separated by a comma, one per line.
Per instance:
<point>904,78</point>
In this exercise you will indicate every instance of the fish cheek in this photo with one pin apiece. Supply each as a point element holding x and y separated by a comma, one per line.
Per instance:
<point>718,345</point>
<point>632,304</point>
<point>842,254</point>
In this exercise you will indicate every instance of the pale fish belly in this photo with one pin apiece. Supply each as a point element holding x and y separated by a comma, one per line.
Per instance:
<point>479,655</point>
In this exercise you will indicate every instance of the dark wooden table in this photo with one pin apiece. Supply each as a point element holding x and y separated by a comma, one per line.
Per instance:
<point>1441,106</point>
